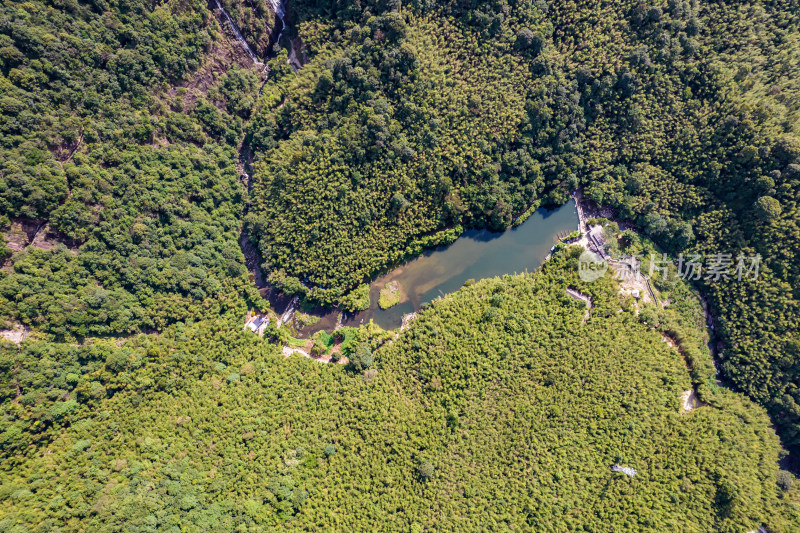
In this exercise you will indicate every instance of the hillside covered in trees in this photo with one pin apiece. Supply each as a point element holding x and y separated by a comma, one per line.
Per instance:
<point>139,146</point>
<point>119,134</point>
<point>499,409</point>
<point>682,116</point>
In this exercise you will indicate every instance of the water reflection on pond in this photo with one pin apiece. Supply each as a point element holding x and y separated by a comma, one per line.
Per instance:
<point>477,254</point>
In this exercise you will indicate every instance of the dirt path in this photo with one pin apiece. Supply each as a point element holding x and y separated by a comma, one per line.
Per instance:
<point>325,359</point>
<point>630,280</point>
<point>578,195</point>
<point>583,297</point>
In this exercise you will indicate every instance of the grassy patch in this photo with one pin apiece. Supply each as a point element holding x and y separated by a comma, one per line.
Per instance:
<point>323,342</point>
<point>305,319</point>
<point>390,295</point>
<point>296,343</point>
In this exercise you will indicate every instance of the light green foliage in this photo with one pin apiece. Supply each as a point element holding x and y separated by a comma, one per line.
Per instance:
<point>306,319</point>
<point>407,119</point>
<point>120,127</point>
<point>425,471</point>
<point>390,295</point>
<point>323,342</point>
<point>177,440</point>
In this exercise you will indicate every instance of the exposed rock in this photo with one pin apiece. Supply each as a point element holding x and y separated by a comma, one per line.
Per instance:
<point>16,334</point>
<point>624,469</point>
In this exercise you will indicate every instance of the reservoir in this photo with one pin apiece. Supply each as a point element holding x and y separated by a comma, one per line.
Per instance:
<point>477,254</point>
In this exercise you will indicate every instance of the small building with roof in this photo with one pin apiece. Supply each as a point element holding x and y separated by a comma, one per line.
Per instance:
<point>257,324</point>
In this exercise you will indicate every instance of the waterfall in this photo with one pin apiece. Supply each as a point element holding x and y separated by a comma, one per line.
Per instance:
<point>287,315</point>
<point>277,7</point>
<point>238,34</point>
<point>280,14</point>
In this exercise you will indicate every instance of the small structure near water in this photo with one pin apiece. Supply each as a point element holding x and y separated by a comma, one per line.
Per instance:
<point>257,324</point>
<point>598,241</point>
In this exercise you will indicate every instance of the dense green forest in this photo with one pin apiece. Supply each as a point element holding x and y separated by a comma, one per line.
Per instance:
<point>119,131</point>
<point>681,116</point>
<point>499,409</point>
<point>140,142</point>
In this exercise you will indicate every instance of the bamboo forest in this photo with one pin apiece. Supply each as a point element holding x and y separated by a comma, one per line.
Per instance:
<point>374,265</point>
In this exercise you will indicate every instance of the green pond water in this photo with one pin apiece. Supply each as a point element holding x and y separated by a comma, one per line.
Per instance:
<point>477,254</point>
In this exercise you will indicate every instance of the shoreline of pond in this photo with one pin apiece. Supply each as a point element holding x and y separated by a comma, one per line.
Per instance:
<point>474,255</point>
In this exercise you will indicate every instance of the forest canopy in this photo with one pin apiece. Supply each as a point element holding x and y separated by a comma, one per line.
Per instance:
<point>141,148</point>
<point>498,408</point>
<point>681,116</point>
<point>127,168</point>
